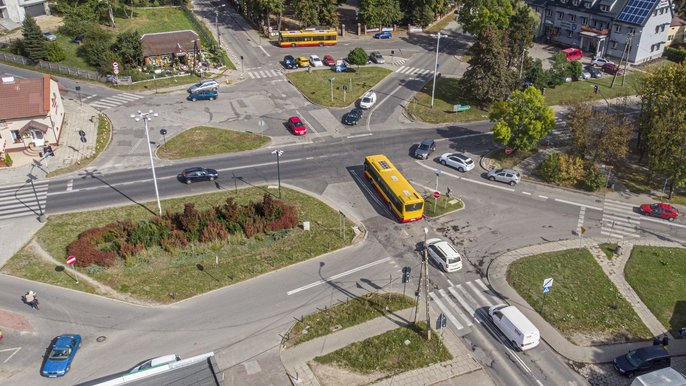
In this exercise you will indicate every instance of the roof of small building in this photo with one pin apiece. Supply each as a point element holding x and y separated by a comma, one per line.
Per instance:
<point>677,22</point>
<point>162,43</point>
<point>25,98</point>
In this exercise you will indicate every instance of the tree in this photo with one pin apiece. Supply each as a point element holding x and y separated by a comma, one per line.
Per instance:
<point>380,12</point>
<point>560,69</point>
<point>34,41</point>
<point>129,48</point>
<point>599,135</point>
<point>523,120</point>
<point>357,56</point>
<point>55,53</point>
<point>78,18</point>
<point>97,45</point>
<point>328,13</point>
<point>488,78</point>
<point>272,7</point>
<point>307,11</point>
<point>520,31</point>
<point>475,15</point>
<point>535,74</point>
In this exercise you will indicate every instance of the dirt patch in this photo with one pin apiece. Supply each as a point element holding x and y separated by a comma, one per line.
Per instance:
<point>14,321</point>
<point>45,22</point>
<point>328,375</point>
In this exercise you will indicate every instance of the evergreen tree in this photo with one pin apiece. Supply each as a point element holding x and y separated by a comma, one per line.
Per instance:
<point>521,30</point>
<point>34,41</point>
<point>488,79</point>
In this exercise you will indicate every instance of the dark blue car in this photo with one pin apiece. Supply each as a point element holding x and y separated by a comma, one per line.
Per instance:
<point>62,351</point>
<point>207,95</point>
<point>289,62</point>
<point>383,35</point>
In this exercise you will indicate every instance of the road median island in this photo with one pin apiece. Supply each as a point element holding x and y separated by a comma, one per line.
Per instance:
<point>207,141</point>
<point>316,85</point>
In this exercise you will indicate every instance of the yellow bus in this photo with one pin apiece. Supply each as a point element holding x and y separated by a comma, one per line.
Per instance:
<point>402,199</point>
<point>318,36</point>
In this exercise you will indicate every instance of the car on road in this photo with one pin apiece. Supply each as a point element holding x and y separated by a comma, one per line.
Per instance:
<point>203,95</point>
<point>368,100</point>
<point>458,161</point>
<point>50,36</point>
<point>289,62</point>
<point>642,360</point>
<point>196,174</point>
<point>296,125</point>
<point>154,362</point>
<point>612,68</point>
<point>61,354</point>
<point>377,58</point>
<point>444,255</point>
<point>383,35</point>
<point>207,84</point>
<point>353,116</point>
<point>328,60</point>
<point>595,73</point>
<point>425,148</point>
<point>507,176</point>
<point>660,210</point>
<point>315,61</point>
<point>600,61</point>
<point>303,61</point>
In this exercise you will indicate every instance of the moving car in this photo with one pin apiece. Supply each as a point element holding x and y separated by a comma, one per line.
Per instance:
<point>328,60</point>
<point>297,126</point>
<point>507,176</point>
<point>515,326</point>
<point>303,61</point>
<point>50,36</point>
<point>62,352</point>
<point>425,148</point>
<point>207,84</point>
<point>600,61</point>
<point>444,255</point>
<point>159,361</point>
<point>660,210</point>
<point>383,35</point>
<point>315,61</point>
<point>195,174</point>
<point>368,100</point>
<point>458,161</point>
<point>612,68</point>
<point>207,95</point>
<point>353,117</point>
<point>377,58</point>
<point>289,62</point>
<point>642,360</point>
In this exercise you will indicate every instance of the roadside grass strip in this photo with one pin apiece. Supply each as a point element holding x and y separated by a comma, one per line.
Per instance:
<point>209,141</point>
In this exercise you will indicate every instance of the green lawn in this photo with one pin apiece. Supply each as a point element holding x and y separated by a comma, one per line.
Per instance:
<point>506,161</point>
<point>658,276</point>
<point>315,85</point>
<point>583,301</point>
<point>70,49</point>
<point>209,141</point>
<point>608,249</point>
<point>443,205</point>
<point>102,141</point>
<point>150,20</point>
<point>583,90</point>
<point>448,93</point>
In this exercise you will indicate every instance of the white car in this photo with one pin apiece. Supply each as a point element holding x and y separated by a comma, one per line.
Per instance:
<point>316,61</point>
<point>444,255</point>
<point>600,61</point>
<point>458,161</point>
<point>368,100</point>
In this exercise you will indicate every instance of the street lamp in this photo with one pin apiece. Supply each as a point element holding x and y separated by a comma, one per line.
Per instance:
<point>433,89</point>
<point>438,173</point>
<point>278,153</point>
<point>216,25</point>
<point>426,287</point>
<point>146,117</point>
<point>331,86</point>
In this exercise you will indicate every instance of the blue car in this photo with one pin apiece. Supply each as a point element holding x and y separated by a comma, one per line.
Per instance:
<point>207,95</point>
<point>383,35</point>
<point>62,351</point>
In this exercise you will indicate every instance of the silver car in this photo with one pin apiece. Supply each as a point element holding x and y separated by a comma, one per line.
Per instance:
<point>507,176</point>
<point>377,58</point>
<point>425,148</point>
<point>207,84</point>
<point>457,161</point>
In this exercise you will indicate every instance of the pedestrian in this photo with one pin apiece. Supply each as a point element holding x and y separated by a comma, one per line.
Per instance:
<point>682,332</point>
<point>665,340</point>
<point>31,298</point>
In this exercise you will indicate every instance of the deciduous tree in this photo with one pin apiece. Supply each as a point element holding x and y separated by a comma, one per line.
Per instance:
<point>475,15</point>
<point>380,12</point>
<point>129,48</point>
<point>521,30</point>
<point>522,120</point>
<point>599,135</point>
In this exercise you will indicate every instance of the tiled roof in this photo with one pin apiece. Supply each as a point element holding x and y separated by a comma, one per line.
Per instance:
<point>169,42</point>
<point>25,98</point>
<point>677,21</point>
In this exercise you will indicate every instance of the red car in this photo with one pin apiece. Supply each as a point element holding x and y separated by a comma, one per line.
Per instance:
<point>612,68</point>
<point>328,60</point>
<point>660,210</point>
<point>296,126</point>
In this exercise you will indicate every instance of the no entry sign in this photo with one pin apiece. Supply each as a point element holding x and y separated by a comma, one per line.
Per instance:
<point>437,194</point>
<point>71,260</point>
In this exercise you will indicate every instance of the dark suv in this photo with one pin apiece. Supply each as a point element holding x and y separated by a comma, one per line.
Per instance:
<point>289,62</point>
<point>642,360</point>
<point>197,174</point>
<point>425,149</point>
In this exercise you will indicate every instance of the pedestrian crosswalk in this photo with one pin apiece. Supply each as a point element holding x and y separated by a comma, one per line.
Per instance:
<point>396,60</point>
<point>465,303</point>
<point>619,220</point>
<point>115,100</point>
<point>264,74</point>
<point>414,71</point>
<point>23,200</point>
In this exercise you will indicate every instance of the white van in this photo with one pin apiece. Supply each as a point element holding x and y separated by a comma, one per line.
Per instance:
<point>515,326</point>
<point>663,377</point>
<point>159,361</point>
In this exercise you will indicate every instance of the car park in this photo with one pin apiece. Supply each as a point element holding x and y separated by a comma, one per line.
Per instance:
<point>203,95</point>
<point>368,100</point>
<point>207,84</point>
<point>377,58</point>
<point>458,161</point>
<point>303,61</point>
<point>154,362</point>
<point>425,148</point>
<point>660,210</point>
<point>60,356</point>
<point>289,62</point>
<point>600,61</point>
<point>315,61</point>
<point>50,36</point>
<point>296,125</point>
<point>444,255</point>
<point>595,73</point>
<point>612,69</point>
<point>642,360</point>
<point>196,174</point>
<point>383,35</point>
<point>353,116</point>
<point>507,176</point>
<point>328,60</point>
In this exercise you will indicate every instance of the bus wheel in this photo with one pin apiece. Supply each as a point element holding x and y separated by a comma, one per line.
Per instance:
<point>321,44</point>
<point>293,45</point>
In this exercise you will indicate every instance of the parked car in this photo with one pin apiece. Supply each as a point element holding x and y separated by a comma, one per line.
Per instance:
<point>458,161</point>
<point>642,360</point>
<point>328,60</point>
<point>78,39</point>
<point>195,174</point>
<point>600,61</point>
<point>585,74</point>
<point>660,210</point>
<point>425,148</point>
<point>612,68</point>
<point>341,66</point>
<point>315,61</point>
<point>50,36</point>
<point>383,35</point>
<point>368,100</point>
<point>154,362</point>
<point>353,116</point>
<point>297,126</point>
<point>377,58</point>
<point>507,176</point>
<point>59,359</point>
<point>207,84</point>
<point>595,73</point>
<point>303,61</point>
<point>573,53</point>
<point>289,62</point>
<point>203,95</point>
<point>444,255</point>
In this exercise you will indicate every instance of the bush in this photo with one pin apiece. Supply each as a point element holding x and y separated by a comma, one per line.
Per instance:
<point>562,169</point>
<point>8,159</point>
<point>675,54</point>
<point>593,180</point>
<point>55,52</point>
<point>357,56</point>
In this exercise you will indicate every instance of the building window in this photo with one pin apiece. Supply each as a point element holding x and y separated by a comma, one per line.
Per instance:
<point>560,15</point>
<point>570,33</point>
<point>584,20</point>
<point>575,2</point>
<point>572,17</point>
<point>618,28</point>
<point>549,12</point>
<point>670,37</point>
<point>587,4</point>
<point>631,30</point>
<point>604,8</point>
<point>16,138</point>
<point>613,44</point>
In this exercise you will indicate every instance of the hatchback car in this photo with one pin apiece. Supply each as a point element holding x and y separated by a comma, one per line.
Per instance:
<point>425,148</point>
<point>191,175</point>
<point>328,60</point>
<point>353,117</point>
<point>600,61</point>
<point>62,352</point>
<point>444,255</point>
<point>642,360</point>
<point>660,210</point>
<point>612,68</point>
<point>377,58</point>
<point>296,125</point>
<point>315,61</point>
<point>507,176</point>
<point>595,73</point>
<point>50,36</point>
<point>383,35</point>
<point>368,100</point>
<point>458,161</point>
<point>303,61</point>
<point>341,66</point>
<point>203,95</point>
<point>207,84</point>
<point>289,62</point>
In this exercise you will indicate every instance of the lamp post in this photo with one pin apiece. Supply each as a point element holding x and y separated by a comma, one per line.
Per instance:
<point>278,153</point>
<point>426,287</point>
<point>216,25</point>
<point>331,86</point>
<point>146,117</point>
<point>433,89</point>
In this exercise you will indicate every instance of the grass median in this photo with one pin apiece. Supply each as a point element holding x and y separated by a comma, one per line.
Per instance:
<point>208,141</point>
<point>316,87</point>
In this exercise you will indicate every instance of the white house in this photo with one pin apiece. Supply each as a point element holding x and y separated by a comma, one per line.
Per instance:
<point>13,12</point>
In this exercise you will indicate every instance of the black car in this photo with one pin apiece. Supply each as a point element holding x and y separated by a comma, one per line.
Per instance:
<point>197,174</point>
<point>352,117</point>
<point>289,62</point>
<point>642,360</point>
<point>595,73</point>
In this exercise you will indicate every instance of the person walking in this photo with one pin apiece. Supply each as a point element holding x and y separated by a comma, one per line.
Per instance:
<point>31,298</point>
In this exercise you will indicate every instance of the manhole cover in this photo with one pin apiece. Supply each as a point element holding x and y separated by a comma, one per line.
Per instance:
<point>101,339</point>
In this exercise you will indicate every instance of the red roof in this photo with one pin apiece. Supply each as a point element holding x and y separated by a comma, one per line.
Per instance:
<point>25,98</point>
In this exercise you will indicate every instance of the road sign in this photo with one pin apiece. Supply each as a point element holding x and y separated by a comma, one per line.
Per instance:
<point>115,68</point>
<point>508,150</point>
<point>71,260</point>
<point>547,285</point>
<point>582,229</point>
<point>163,131</point>
<point>437,194</point>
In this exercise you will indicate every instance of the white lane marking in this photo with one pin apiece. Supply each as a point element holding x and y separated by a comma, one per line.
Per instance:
<point>543,197</point>
<point>16,350</point>
<point>445,311</point>
<point>250,74</point>
<point>359,135</point>
<point>334,277</point>
<point>452,304</point>
<point>265,52</point>
<point>578,204</point>
<point>70,185</point>
<point>465,179</point>
<point>307,123</point>
<point>290,144</point>
<point>464,136</point>
<point>376,106</point>
<point>580,222</point>
<point>450,282</point>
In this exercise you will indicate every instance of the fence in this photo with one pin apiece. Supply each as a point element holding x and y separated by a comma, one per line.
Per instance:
<point>53,67</point>
<point>205,35</point>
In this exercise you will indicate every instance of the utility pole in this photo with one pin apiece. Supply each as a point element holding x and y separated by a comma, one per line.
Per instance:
<point>627,46</point>
<point>426,287</point>
<point>433,89</point>
<point>631,37</point>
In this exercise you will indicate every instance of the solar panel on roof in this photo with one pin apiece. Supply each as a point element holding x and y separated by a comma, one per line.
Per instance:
<point>636,11</point>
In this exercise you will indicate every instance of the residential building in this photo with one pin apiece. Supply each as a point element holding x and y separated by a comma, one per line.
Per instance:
<point>169,48</point>
<point>13,12</point>
<point>677,32</point>
<point>606,27</point>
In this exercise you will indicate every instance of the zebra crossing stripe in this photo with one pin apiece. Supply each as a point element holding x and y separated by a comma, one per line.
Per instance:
<point>132,97</point>
<point>483,286</point>
<point>454,306</point>
<point>621,218</point>
<point>251,75</point>
<point>117,99</point>
<point>477,292</point>
<point>461,298</point>
<point>445,311</point>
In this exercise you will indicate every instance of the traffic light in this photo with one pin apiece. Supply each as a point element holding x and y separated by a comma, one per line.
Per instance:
<point>406,274</point>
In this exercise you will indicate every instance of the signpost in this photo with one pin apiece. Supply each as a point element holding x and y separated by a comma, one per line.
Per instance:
<point>547,286</point>
<point>164,135</point>
<point>508,150</point>
<point>70,261</point>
